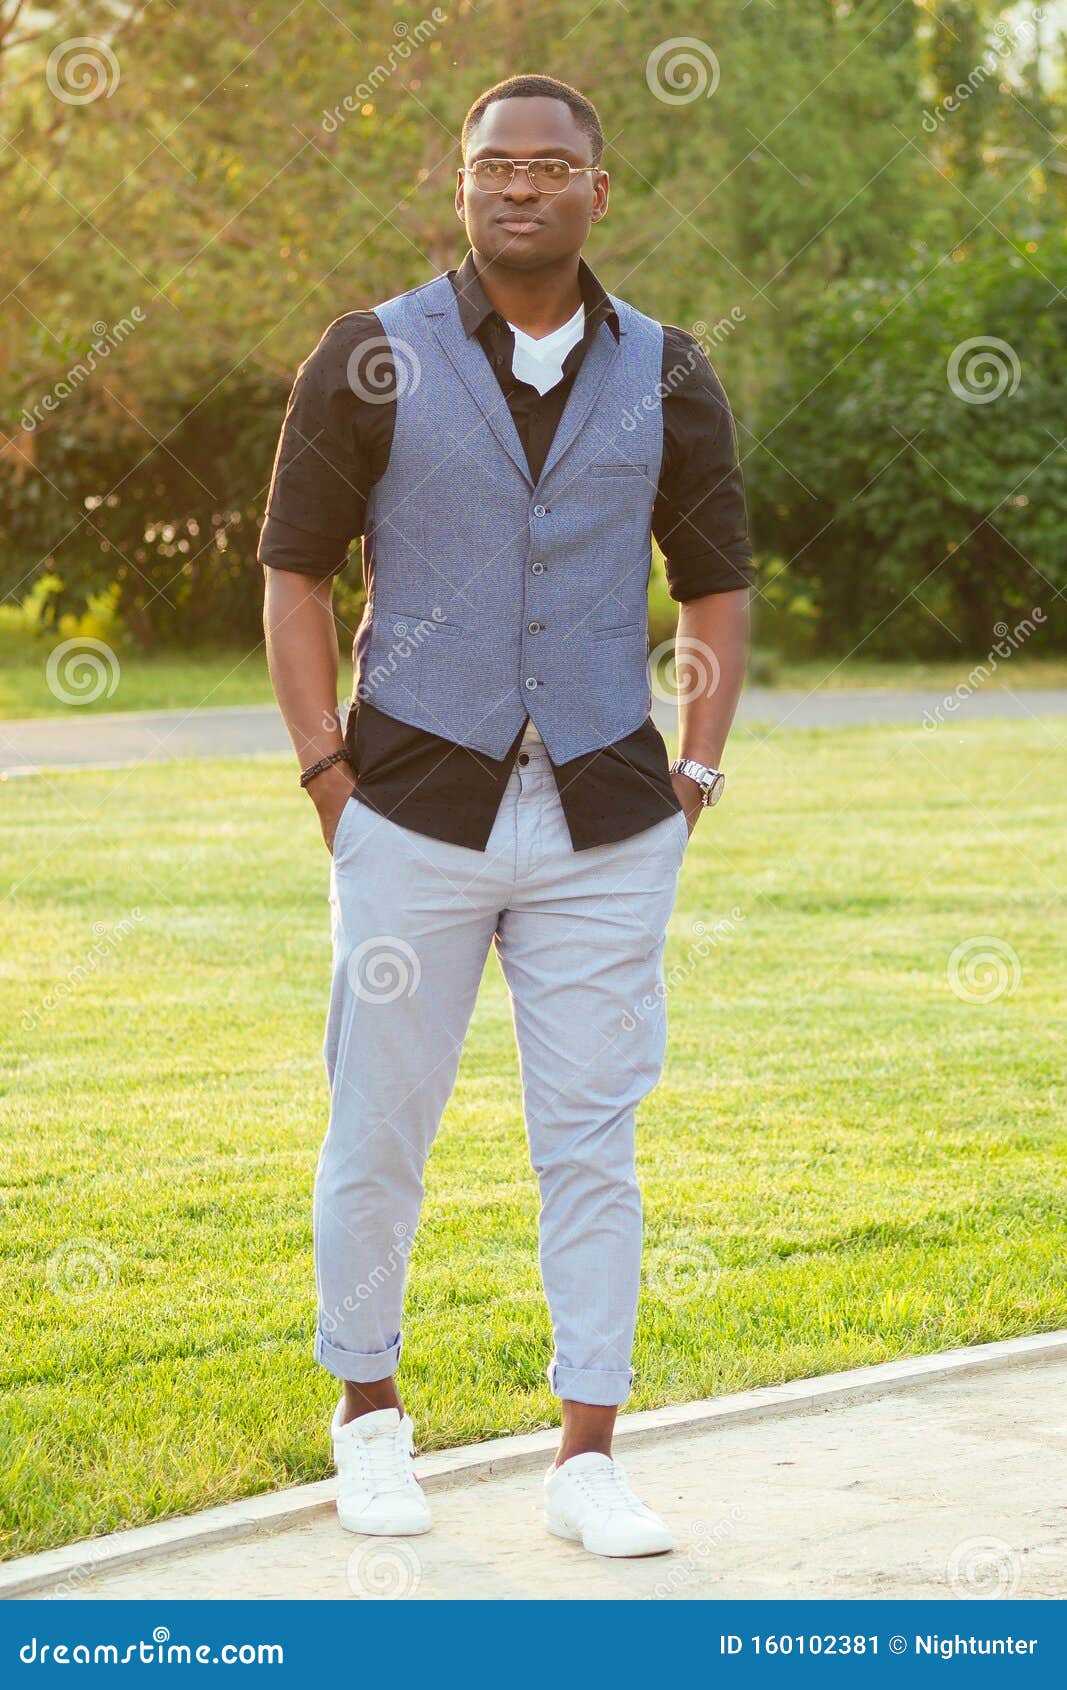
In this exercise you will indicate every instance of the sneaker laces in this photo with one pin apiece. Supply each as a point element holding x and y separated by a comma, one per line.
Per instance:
<point>385,1462</point>
<point>607,1488</point>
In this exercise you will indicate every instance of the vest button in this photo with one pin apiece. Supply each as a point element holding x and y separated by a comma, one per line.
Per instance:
<point>537,569</point>
<point>534,627</point>
<point>539,510</point>
<point>530,683</point>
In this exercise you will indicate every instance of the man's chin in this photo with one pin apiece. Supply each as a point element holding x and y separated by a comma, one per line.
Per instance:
<point>526,252</point>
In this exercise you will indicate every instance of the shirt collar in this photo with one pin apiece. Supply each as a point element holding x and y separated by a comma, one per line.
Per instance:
<point>474,307</point>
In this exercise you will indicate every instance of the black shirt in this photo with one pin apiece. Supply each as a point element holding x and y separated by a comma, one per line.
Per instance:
<point>335,443</point>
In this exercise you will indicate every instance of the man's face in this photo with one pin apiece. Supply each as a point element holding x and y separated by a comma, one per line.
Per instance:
<point>522,228</point>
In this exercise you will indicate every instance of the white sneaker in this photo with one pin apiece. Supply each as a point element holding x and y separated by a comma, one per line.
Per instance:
<point>588,1500</point>
<point>377,1491</point>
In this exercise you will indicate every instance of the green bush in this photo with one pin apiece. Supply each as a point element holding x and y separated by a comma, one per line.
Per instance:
<point>160,514</point>
<point>912,475</point>
<point>32,625</point>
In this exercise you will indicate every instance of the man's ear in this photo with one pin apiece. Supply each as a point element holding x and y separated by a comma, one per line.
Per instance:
<point>598,212</point>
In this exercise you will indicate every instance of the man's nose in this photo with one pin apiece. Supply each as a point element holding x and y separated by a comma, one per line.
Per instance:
<point>520,187</point>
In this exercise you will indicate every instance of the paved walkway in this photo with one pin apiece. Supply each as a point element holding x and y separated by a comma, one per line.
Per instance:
<point>951,1487</point>
<point>115,740</point>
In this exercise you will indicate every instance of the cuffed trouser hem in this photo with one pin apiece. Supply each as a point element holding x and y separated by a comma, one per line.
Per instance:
<point>351,1365</point>
<point>583,1384</point>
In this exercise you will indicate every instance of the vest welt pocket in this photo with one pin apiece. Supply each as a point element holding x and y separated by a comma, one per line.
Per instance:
<point>401,624</point>
<point>619,630</point>
<point>617,469</point>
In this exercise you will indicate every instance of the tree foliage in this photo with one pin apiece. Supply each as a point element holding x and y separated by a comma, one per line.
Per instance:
<point>939,508</point>
<point>181,230</point>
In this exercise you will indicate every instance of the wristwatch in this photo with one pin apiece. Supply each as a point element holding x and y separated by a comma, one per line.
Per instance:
<point>710,781</point>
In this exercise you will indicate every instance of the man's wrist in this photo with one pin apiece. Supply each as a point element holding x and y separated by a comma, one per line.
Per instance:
<point>314,770</point>
<point>709,780</point>
<point>331,783</point>
<point>707,754</point>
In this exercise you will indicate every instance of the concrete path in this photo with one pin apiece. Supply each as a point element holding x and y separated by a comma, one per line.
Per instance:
<point>115,740</point>
<point>936,1477</point>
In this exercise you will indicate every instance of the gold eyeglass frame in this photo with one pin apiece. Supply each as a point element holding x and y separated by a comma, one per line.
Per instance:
<point>574,169</point>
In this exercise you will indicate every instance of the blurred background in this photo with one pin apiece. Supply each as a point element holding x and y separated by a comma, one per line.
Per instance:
<point>836,196</point>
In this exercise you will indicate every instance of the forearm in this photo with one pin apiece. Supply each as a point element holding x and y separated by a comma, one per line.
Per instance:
<point>711,654</point>
<point>303,660</point>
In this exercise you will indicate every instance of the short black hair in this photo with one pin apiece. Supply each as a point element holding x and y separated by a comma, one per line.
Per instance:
<point>539,87</point>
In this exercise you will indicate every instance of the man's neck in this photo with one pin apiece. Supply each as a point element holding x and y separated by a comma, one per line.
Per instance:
<point>536,301</point>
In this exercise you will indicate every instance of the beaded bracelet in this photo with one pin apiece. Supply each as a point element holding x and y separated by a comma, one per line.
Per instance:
<point>324,763</point>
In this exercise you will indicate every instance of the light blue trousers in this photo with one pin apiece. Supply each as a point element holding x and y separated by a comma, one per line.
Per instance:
<point>579,935</point>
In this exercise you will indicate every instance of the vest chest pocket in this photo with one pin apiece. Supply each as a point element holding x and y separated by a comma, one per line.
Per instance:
<point>617,469</point>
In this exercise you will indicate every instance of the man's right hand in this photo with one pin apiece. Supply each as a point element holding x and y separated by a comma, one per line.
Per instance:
<point>330,792</point>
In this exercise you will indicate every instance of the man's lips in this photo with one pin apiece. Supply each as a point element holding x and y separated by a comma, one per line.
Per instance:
<point>518,225</point>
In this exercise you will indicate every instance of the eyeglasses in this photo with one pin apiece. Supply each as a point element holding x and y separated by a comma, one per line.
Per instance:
<point>547,175</point>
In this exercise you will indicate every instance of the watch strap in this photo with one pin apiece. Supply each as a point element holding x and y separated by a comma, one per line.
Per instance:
<point>708,779</point>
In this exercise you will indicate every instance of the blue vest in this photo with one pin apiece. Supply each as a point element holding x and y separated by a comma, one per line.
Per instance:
<point>490,597</point>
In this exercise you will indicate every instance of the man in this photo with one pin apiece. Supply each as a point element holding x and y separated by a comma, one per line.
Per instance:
<point>505,438</point>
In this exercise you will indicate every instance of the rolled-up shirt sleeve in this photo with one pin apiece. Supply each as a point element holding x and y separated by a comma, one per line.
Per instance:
<point>699,517</point>
<point>324,464</point>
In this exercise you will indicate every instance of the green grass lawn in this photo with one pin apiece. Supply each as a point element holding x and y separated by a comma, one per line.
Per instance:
<point>180,680</point>
<point>171,680</point>
<point>845,1162</point>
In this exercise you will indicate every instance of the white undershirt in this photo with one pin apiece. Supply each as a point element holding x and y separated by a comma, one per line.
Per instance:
<point>540,362</point>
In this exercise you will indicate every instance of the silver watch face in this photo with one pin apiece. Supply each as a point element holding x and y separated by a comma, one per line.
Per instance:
<point>713,792</point>
<point>710,790</point>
